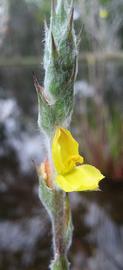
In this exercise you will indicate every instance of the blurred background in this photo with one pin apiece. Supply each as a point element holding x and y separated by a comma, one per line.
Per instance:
<point>97,123</point>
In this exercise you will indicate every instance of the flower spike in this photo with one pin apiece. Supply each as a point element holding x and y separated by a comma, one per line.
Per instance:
<point>60,54</point>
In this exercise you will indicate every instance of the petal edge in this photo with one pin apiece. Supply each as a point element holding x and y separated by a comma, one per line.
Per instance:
<point>82,178</point>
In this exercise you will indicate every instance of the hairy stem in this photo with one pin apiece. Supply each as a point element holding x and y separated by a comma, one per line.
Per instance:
<point>57,205</point>
<point>60,261</point>
<point>58,223</point>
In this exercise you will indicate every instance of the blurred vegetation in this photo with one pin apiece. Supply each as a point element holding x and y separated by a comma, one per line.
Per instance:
<point>98,18</point>
<point>103,23</point>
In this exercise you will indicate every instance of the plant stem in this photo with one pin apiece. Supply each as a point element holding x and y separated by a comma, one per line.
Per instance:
<point>57,205</point>
<point>60,261</point>
<point>58,223</point>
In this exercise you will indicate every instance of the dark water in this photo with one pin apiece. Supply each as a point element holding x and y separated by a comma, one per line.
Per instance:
<point>25,231</point>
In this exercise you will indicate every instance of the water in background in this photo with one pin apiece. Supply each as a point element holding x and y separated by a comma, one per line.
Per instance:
<point>25,231</point>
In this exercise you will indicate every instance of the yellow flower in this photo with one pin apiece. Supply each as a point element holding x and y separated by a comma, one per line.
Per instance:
<point>103,13</point>
<point>71,176</point>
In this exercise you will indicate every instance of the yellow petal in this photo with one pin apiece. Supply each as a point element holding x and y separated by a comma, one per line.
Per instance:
<point>81,178</point>
<point>65,151</point>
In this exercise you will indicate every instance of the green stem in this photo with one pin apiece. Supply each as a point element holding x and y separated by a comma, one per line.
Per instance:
<point>57,205</point>
<point>58,223</point>
<point>60,261</point>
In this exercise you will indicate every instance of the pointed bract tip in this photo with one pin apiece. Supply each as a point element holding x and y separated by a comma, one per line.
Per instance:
<point>71,17</point>
<point>74,72</point>
<point>70,23</point>
<point>79,36</point>
<point>38,87</point>
<point>54,47</point>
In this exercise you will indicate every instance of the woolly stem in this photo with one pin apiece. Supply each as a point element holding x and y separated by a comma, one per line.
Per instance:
<point>60,261</point>
<point>58,223</point>
<point>57,205</point>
